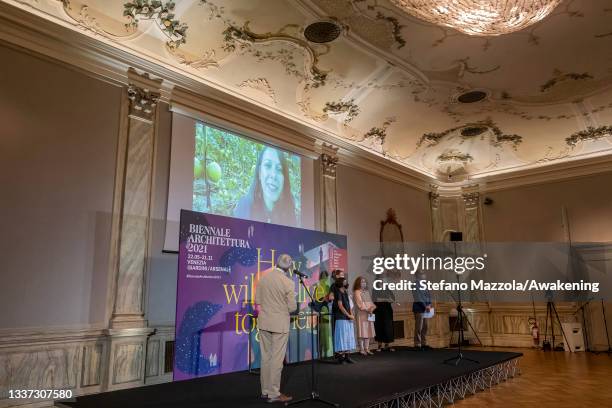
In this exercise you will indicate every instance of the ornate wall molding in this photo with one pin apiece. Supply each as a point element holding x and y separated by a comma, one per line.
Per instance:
<point>329,164</point>
<point>501,325</point>
<point>142,102</point>
<point>81,359</point>
<point>471,200</point>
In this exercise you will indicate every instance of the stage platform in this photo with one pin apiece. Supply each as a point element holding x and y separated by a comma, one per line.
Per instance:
<point>403,378</point>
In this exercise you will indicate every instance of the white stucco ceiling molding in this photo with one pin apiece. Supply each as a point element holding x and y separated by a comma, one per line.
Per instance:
<point>82,16</point>
<point>590,134</point>
<point>55,39</point>
<point>348,109</point>
<point>465,133</point>
<point>162,13</point>
<point>242,39</point>
<point>452,163</point>
<point>261,86</point>
<point>368,29</point>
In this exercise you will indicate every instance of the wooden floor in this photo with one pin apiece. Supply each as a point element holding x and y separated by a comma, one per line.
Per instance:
<point>551,379</point>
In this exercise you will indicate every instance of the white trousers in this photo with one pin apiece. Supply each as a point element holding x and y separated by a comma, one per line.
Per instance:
<point>273,349</point>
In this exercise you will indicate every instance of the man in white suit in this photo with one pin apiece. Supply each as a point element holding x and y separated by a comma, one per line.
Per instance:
<point>275,297</point>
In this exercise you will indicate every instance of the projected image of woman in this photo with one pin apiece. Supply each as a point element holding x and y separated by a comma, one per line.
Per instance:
<point>269,197</point>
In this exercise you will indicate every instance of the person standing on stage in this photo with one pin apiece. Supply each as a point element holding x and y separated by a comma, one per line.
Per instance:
<point>333,294</point>
<point>336,273</point>
<point>275,299</point>
<point>365,307</point>
<point>421,304</point>
<point>344,331</point>
<point>322,292</point>
<point>383,325</point>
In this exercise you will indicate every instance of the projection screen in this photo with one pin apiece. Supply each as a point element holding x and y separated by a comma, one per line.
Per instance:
<point>217,171</point>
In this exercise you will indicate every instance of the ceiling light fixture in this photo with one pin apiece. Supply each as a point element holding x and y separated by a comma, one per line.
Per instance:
<point>480,17</point>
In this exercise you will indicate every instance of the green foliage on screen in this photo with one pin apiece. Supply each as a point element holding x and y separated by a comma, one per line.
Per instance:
<point>236,158</point>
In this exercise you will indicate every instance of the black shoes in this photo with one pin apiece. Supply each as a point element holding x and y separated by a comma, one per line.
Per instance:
<point>344,359</point>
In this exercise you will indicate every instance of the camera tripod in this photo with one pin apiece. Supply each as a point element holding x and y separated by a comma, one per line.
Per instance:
<point>546,345</point>
<point>461,337</point>
<point>460,316</point>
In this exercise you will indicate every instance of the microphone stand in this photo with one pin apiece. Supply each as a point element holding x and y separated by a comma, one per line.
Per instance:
<point>459,357</point>
<point>250,346</point>
<point>314,393</point>
<point>603,311</point>
<point>584,324</point>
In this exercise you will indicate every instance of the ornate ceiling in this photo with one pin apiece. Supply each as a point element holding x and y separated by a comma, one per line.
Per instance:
<point>390,83</point>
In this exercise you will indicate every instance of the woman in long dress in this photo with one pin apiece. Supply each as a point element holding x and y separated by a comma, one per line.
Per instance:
<point>383,325</point>
<point>364,308</point>
<point>344,331</point>
<point>322,295</point>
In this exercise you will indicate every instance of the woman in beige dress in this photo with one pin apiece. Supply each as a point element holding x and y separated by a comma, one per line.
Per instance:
<point>363,307</point>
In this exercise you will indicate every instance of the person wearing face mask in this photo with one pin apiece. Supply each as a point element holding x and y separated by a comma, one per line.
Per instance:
<point>365,308</point>
<point>344,331</point>
<point>269,197</point>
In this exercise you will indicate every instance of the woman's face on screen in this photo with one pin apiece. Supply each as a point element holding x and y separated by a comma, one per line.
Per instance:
<point>271,176</point>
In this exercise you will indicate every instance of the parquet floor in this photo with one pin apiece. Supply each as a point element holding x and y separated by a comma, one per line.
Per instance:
<point>551,379</point>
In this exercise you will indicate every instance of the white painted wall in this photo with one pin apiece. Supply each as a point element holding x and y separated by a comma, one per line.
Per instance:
<point>57,165</point>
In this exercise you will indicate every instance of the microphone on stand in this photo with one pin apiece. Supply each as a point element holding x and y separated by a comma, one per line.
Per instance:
<point>300,274</point>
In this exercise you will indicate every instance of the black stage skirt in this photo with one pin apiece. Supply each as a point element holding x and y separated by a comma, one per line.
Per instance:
<point>383,325</point>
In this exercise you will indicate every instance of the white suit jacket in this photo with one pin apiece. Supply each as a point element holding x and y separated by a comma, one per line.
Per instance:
<point>276,298</point>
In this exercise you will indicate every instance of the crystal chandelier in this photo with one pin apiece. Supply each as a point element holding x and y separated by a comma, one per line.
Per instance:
<point>480,17</point>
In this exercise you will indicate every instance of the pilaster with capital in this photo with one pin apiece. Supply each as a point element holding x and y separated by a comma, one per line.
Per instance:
<point>436,223</point>
<point>329,202</point>
<point>128,330</point>
<point>472,214</point>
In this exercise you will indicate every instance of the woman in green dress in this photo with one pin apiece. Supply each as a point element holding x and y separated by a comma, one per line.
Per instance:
<point>321,295</point>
